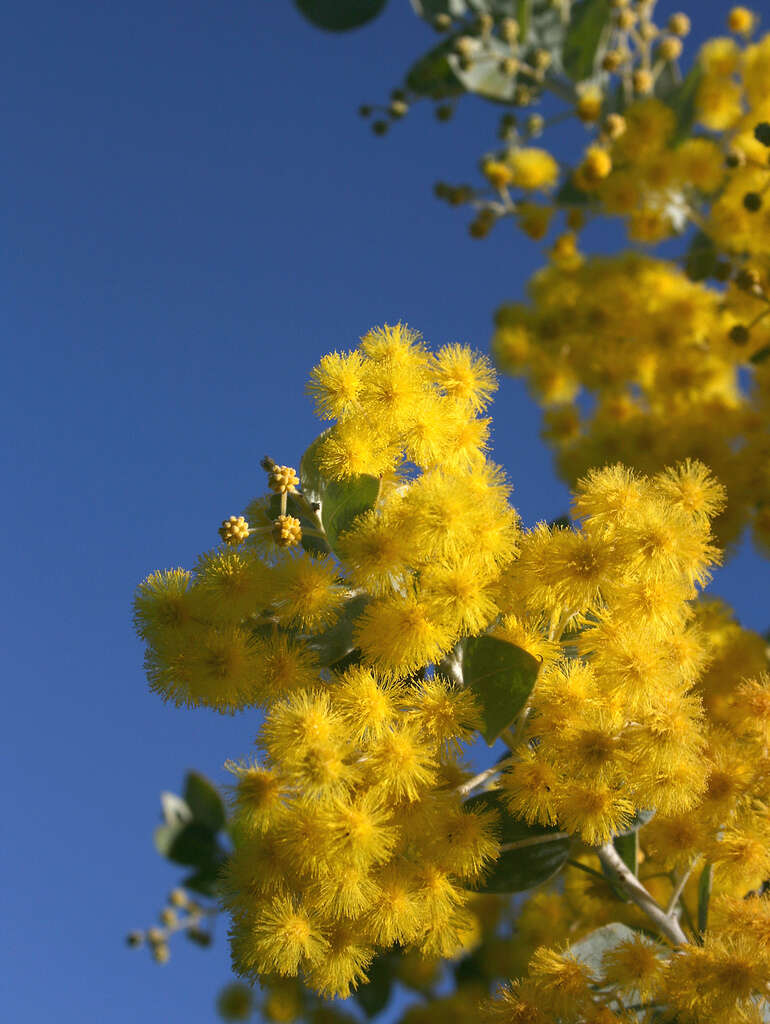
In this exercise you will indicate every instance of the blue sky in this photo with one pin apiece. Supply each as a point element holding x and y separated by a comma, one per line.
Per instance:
<point>193,215</point>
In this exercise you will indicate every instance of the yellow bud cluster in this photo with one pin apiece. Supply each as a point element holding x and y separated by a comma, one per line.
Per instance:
<point>287,531</point>
<point>283,480</point>
<point>234,530</point>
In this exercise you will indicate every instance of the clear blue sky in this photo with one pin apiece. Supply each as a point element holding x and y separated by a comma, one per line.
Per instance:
<point>193,214</point>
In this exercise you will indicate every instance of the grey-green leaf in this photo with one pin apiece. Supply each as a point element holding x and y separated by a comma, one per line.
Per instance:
<point>704,898</point>
<point>203,799</point>
<point>701,259</point>
<point>588,23</point>
<point>627,846</point>
<point>592,948</point>
<point>373,996</point>
<point>337,642</point>
<point>340,501</point>
<point>542,853</point>
<point>432,74</point>
<point>501,676</point>
<point>680,96</point>
<point>344,500</point>
<point>340,15</point>
<point>311,479</point>
<point>639,820</point>
<point>175,810</point>
<point>192,844</point>
<point>204,882</point>
<point>483,75</point>
<point>430,8</point>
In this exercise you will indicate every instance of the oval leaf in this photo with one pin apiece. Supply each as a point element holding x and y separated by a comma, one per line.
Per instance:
<point>639,820</point>
<point>704,897</point>
<point>337,642</point>
<point>344,500</point>
<point>193,845</point>
<point>540,851</point>
<point>588,22</point>
<point>204,801</point>
<point>373,996</point>
<point>502,676</point>
<point>627,846</point>
<point>432,74</point>
<point>592,948</point>
<point>339,15</point>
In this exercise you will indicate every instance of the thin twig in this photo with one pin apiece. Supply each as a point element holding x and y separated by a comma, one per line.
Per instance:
<point>588,871</point>
<point>488,773</point>
<point>678,889</point>
<point>533,841</point>
<point>630,885</point>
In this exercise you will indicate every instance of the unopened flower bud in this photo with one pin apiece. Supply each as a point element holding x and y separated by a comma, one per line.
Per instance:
<point>465,46</point>
<point>482,224</point>
<point>199,936</point>
<point>134,939</point>
<point>168,917</point>
<point>589,105</point>
<point>612,60</point>
<point>648,31</point>
<point>498,174</point>
<point>398,108</point>
<point>234,530</point>
<point>642,82</point>
<point>534,125</point>
<point>762,133</point>
<point>752,202</point>
<point>739,334</point>
<point>485,24</point>
<point>178,898</point>
<point>747,279</point>
<point>287,531</point>
<point>161,953</point>
<point>444,112</point>
<point>509,30</point>
<point>670,48</point>
<point>442,22</point>
<point>679,24</point>
<point>575,218</point>
<point>614,126</point>
<point>741,21</point>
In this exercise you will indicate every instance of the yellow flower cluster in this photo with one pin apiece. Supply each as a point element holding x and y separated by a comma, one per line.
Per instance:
<point>352,829</point>
<point>352,835</point>
<point>394,401</point>
<point>616,727</point>
<point>655,353</point>
<point>724,979</point>
<point>234,632</point>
